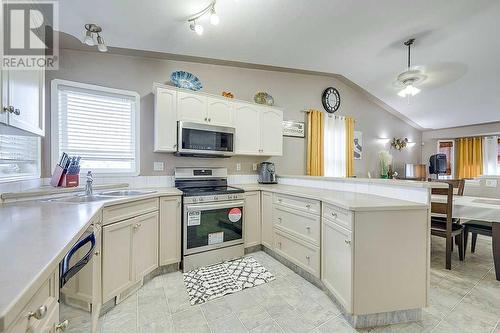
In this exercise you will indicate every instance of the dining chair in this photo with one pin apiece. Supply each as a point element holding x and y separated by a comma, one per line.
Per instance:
<point>476,227</point>
<point>442,222</point>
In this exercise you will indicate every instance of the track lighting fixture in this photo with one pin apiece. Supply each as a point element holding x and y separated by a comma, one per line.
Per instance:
<point>214,18</point>
<point>93,37</point>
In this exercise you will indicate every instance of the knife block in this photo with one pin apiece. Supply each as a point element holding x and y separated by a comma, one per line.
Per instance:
<point>70,180</point>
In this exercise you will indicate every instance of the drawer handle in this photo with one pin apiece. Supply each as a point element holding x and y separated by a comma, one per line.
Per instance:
<point>334,215</point>
<point>308,229</point>
<point>280,200</point>
<point>137,225</point>
<point>308,206</point>
<point>39,313</point>
<point>62,326</point>
<point>279,244</point>
<point>347,241</point>
<point>308,259</point>
<point>279,219</point>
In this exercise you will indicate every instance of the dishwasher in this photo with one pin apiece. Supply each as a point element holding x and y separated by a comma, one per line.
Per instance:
<point>79,284</point>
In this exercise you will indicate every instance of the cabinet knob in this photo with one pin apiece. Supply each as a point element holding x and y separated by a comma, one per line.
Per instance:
<point>308,228</point>
<point>279,244</point>
<point>39,313</point>
<point>96,253</point>
<point>308,206</point>
<point>206,119</point>
<point>308,258</point>
<point>280,200</point>
<point>279,219</point>
<point>9,108</point>
<point>209,119</point>
<point>137,225</point>
<point>17,112</point>
<point>334,215</point>
<point>347,241</point>
<point>175,145</point>
<point>62,326</point>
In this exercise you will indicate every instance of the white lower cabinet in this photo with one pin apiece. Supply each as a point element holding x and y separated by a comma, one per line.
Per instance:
<point>130,250</point>
<point>302,254</point>
<point>252,225</point>
<point>267,219</point>
<point>170,230</point>
<point>336,263</point>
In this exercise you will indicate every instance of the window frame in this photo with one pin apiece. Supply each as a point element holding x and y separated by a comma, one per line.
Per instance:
<point>54,123</point>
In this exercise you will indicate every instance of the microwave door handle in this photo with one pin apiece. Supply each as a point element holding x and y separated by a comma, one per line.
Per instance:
<point>68,272</point>
<point>215,206</point>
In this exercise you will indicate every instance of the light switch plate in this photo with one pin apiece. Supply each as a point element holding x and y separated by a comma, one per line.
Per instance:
<point>158,166</point>
<point>254,166</point>
<point>491,183</point>
<point>238,166</point>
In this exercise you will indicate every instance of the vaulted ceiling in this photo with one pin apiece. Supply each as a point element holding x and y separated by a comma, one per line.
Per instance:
<point>457,44</point>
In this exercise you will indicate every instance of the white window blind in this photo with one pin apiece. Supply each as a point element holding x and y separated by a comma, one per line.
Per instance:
<point>19,157</point>
<point>100,125</point>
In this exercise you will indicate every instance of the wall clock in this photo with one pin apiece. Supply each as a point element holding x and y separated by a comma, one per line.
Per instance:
<point>331,99</point>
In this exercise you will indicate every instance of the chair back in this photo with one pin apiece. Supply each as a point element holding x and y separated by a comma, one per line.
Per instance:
<point>454,185</point>
<point>458,186</point>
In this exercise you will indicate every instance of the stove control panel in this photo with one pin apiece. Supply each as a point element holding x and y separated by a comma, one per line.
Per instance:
<point>214,198</point>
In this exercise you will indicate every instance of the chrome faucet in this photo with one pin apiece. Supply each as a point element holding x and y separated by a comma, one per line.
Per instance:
<point>88,185</point>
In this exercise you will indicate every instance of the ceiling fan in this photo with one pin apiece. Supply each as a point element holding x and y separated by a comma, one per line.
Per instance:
<point>412,77</point>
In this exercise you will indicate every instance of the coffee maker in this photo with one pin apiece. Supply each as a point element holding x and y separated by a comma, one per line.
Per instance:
<point>267,173</point>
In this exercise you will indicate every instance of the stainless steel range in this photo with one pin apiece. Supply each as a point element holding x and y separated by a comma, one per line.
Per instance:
<point>212,220</point>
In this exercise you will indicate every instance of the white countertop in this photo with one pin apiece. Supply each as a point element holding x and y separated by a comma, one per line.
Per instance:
<point>35,236</point>
<point>344,199</point>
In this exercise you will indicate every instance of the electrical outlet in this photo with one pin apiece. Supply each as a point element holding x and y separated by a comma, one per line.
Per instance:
<point>238,166</point>
<point>254,166</point>
<point>158,166</point>
<point>491,183</point>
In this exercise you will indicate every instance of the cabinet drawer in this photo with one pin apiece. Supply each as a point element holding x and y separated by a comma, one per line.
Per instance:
<point>305,205</point>
<point>127,210</point>
<point>303,225</point>
<point>46,296</point>
<point>338,215</point>
<point>303,255</point>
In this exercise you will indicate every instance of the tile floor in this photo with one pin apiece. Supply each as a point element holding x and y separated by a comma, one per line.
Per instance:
<point>465,299</point>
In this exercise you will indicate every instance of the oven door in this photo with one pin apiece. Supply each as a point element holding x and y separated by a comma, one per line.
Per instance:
<point>200,139</point>
<point>212,225</point>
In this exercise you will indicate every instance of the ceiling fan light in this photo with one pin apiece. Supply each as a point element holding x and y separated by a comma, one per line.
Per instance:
<point>409,90</point>
<point>89,40</point>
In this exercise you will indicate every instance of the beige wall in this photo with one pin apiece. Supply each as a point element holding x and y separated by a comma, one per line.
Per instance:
<point>291,91</point>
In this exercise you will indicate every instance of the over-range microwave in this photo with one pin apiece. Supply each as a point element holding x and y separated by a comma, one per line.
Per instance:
<point>203,140</point>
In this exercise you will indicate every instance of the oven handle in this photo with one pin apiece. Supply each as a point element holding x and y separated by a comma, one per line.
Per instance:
<point>212,206</point>
<point>68,272</point>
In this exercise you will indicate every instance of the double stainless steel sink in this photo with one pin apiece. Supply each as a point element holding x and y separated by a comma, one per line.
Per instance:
<point>101,196</point>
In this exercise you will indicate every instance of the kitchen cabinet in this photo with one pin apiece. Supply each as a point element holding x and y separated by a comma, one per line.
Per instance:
<point>23,100</point>
<point>252,220</point>
<point>267,219</point>
<point>300,253</point>
<point>117,258</point>
<point>258,130</point>
<point>130,251</point>
<point>165,120</point>
<point>4,116</point>
<point>52,324</point>
<point>337,262</point>
<point>145,244</point>
<point>191,107</point>
<point>271,132</point>
<point>219,112</point>
<point>170,230</point>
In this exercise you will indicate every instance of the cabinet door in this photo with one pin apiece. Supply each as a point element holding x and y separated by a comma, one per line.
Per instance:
<point>117,266</point>
<point>337,262</point>
<point>170,230</point>
<point>145,244</point>
<point>271,132</point>
<point>165,120</point>
<point>4,116</point>
<point>26,94</point>
<point>220,112</point>
<point>252,226</point>
<point>247,123</point>
<point>267,219</point>
<point>191,107</point>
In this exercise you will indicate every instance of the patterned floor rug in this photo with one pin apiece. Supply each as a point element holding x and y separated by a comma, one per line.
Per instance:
<point>217,280</point>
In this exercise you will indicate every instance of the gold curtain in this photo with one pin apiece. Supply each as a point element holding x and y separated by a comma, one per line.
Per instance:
<point>349,124</point>
<point>469,157</point>
<point>315,143</point>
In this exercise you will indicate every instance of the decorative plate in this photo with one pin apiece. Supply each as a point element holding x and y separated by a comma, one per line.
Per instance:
<point>263,98</point>
<point>182,79</point>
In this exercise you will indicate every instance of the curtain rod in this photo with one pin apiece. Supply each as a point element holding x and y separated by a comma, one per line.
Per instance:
<point>328,114</point>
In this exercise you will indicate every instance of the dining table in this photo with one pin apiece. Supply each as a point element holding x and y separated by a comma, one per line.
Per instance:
<point>478,208</point>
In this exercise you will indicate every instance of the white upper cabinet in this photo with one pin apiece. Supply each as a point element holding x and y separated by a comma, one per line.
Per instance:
<point>165,123</point>
<point>271,132</point>
<point>258,128</point>
<point>4,118</point>
<point>23,102</point>
<point>247,121</point>
<point>219,112</point>
<point>191,107</point>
